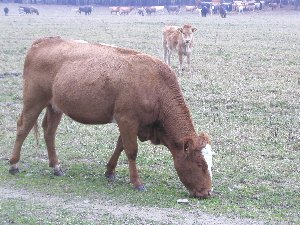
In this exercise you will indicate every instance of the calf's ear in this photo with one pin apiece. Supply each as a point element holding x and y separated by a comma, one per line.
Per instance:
<point>194,29</point>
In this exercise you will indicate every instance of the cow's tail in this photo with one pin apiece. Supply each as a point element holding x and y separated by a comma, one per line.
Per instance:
<point>36,134</point>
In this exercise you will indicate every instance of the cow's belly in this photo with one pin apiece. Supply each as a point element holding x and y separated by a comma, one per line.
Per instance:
<point>84,98</point>
<point>83,113</point>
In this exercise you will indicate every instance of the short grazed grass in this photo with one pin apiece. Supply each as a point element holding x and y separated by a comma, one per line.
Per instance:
<point>244,91</point>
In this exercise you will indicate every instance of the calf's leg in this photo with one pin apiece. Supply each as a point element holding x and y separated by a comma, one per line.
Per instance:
<point>180,61</point>
<point>169,57</point>
<point>50,124</point>
<point>166,54</point>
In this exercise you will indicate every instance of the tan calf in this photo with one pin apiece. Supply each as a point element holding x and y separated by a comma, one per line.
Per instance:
<point>180,39</point>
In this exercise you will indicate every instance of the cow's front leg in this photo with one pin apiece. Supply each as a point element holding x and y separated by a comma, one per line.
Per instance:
<point>128,130</point>
<point>50,124</point>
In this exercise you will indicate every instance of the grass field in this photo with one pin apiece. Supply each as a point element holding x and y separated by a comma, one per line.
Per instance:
<point>244,90</point>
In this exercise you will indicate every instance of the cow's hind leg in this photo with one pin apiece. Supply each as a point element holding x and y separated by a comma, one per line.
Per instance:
<point>25,123</point>
<point>50,124</point>
<point>112,163</point>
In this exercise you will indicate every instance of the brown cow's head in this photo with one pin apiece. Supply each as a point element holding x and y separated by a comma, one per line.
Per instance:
<point>187,32</point>
<point>192,168</point>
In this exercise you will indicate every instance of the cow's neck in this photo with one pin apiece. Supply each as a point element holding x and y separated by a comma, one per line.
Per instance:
<point>176,121</point>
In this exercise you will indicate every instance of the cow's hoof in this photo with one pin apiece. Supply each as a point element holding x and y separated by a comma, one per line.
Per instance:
<point>14,171</point>
<point>140,188</point>
<point>58,173</point>
<point>110,177</point>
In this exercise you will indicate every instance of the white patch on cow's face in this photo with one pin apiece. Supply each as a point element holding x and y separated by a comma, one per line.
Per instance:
<point>207,154</point>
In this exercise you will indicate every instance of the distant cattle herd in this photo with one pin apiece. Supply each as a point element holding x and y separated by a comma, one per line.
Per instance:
<point>202,8</point>
<point>28,10</point>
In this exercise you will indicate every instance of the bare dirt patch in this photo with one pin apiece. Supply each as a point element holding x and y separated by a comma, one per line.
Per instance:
<point>94,208</point>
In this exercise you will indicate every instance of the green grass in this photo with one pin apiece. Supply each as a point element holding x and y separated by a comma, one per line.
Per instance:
<point>243,90</point>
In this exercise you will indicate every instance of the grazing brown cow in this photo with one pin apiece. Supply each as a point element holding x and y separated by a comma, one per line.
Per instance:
<point>180,39</point>
<point>100,84</point>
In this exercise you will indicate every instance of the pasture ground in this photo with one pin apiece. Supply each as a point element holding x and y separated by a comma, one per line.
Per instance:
<point>244,90</point>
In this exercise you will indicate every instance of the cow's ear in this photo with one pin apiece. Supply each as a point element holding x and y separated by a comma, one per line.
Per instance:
<point>180,30</point>
<point>204,139</point>
<point>194,29</point>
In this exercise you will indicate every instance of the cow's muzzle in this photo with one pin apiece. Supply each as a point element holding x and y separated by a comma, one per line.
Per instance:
<point>202,195</point>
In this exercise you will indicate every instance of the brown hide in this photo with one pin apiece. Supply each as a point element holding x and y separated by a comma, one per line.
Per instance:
<point>180,39</point>
<point>99,84</point>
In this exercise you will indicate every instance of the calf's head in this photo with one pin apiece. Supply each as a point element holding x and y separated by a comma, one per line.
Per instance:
<point>187,32</point>
<point>192,167</point>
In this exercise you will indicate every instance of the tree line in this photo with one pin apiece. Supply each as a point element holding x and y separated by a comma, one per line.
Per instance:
<point>107,2</point>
